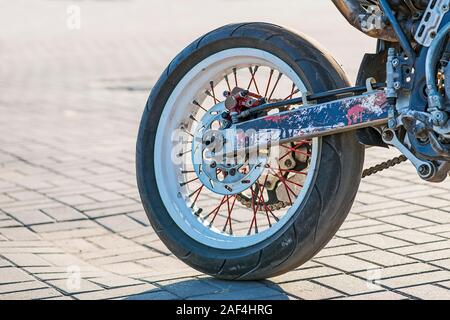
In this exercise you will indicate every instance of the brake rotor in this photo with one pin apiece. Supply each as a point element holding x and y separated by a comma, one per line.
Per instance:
<point>224,176</point>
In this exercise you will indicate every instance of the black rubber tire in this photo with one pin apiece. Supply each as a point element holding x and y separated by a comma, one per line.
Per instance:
<point>336,179</point>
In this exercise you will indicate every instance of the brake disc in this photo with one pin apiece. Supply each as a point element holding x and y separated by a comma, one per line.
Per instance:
<point>224,176</point>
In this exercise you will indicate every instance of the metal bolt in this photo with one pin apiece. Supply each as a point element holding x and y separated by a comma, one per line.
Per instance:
<point>213,165</point>
<point>288,163</point>
<point>424,170</point>
<point>395,62</point>
<point>397,85</point>
<point>232,172</point>
<point>388,135</point>
<point>444,8</point>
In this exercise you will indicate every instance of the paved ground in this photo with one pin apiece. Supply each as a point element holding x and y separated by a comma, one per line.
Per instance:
<point>71,225</point>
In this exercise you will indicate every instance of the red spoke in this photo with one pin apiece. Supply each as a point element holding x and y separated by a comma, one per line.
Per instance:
<point>188,182</point>
<point>294,150</point>
<point>292,171</point>
<point>197,192</point>
<point>275,86</point>
<point>211,84</point>
<point>283,180</point>
<point>230,210</point>
<point>228,83</point>
<point>268,83</point>
<point>209,94</point>
<point>262,200</point>
<point>198,105</point>
<point>216,211</point>
<point>255,211</point>
<point>293,92</point>
<point>252,80</point>
<point>290,181</point>
<point>183,153</point>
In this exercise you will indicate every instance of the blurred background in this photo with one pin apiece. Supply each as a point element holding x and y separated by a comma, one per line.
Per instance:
<point>76,64</point>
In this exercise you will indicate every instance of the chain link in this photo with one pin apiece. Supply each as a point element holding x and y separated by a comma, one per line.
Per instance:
<point>384,166</point>
<point>366,173</point>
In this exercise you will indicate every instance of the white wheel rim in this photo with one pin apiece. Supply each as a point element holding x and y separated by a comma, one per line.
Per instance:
<point>168,173</point>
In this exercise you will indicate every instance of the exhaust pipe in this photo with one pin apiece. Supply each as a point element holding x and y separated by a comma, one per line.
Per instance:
<point>358,17</point>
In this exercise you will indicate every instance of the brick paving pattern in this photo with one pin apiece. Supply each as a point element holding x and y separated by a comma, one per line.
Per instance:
<point>70,103</point>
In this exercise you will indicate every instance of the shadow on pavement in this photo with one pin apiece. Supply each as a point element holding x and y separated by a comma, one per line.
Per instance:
<point>212,289</point>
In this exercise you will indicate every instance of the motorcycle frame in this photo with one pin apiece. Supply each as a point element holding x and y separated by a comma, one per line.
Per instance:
<point>330,117</point>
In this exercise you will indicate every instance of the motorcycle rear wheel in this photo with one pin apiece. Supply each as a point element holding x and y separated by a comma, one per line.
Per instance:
<point>329,188</point>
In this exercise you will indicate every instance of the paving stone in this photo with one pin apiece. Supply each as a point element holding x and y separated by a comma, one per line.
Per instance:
<point>115,293</point>
<point>434,246</point>
<point>115,281</point>
<point>31,294</point>
<point>432,255</point>
<point>4,263</point>
<point>308,290</point>
<point>414,236</point>
<point>119,223</point>
<point>125,268</point>
<point>62,226</point>
<point>192,288</point>
<point>112,241</point>
<point>70,234</point>
<point>133,256</point>
<point>305,274</point>
<point>22,286</point>
<point>18,234</point>
<point>343,250</point>
<point>384,258</point>
<point>428,292</point>
<point>155,295</point>
<point>228,286</point>
<point>63,260</point>
<point>64,213</point>
<point>75,200</point>
<point>380,241</point>
<point>104,196</point>
<point>346,263</point>
<point>432,202</point>
<point>26,259</point>
<point>397,271</point>
<point>405,221</point>
<point>12,275</point>
<point>69,286</point>
<point>423,278</point>
<point>349,284</point>
<point>442,263</point>
<point>385,295</point>
<point>434,215</point>
<point>367,230</point>
<point>249,294</point>
<point>31,217</point>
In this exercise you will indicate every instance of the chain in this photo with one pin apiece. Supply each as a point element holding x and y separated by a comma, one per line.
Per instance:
<point>384,165</point>
<point>272,207</point>
<point>366,173</point>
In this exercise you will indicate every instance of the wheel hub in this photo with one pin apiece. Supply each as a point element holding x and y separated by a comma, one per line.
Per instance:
<point>225,176</point>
